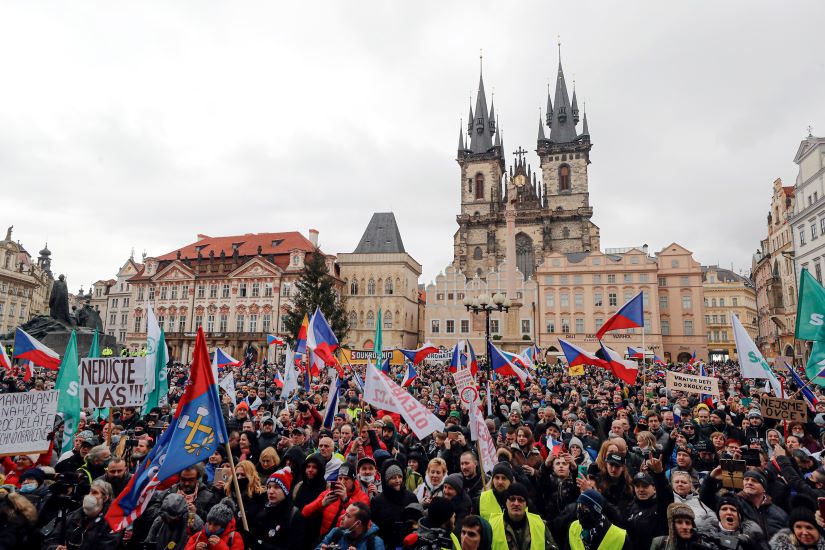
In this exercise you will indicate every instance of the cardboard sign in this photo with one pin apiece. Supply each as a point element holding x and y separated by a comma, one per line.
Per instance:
<point>691,383</point>
<point>793,410</point>
<point>26,420</point>
<point>112,381</point>
<point>466,386</point>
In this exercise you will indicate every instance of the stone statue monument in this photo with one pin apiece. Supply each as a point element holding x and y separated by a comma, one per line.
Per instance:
<point>59,301</point>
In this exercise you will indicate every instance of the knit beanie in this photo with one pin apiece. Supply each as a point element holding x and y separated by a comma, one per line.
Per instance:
<point>220,515</point>
<point>758,477</point>
<point>456,481</point>
<point>592,499</point>
<point>679,510</point>
<point>33,473</point>
<point>392,471</point>
<point>504,469</point>
<point>440,511</point>
<point>731,499</point>
<point>282,478</point>
<point>802,509</point>
<point>517,490</point>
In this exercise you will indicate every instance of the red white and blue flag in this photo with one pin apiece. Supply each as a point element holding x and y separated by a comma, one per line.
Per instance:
<point>692,358</point>
<point>272,340</point>
<point>705,398</point>
<point>321,340</point>
<point>658,361</point>
<point>629,316</point>
<point>301,339</point>
<point>223,359</point>
<point>385,366</point>
<point>196,431</point>
<point>409,375</point>
<point>27,347</point>
<point>277,380</point>
<point>471,358</point>
<point>635,353</point>
<point>458,361</point>
<point>531,355</point>
<point>5,362</point>
<point>503,366</point>
<point>417,355</point>
<point>577,356</point>
<point>807,394</point>
<point>332,401</point>
<point>627,371</point>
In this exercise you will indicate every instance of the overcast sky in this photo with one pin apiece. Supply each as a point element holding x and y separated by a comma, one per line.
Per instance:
<point>141,124</point>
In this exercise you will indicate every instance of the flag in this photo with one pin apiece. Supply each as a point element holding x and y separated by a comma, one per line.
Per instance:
<point>5,362</point>
<point>357,378</point>
<point>554,445</point>
<point>290,373</point>
<point>627,371</point>
<point>516,359</point>
<point>378,342</point>
<point>335,386</point>
<point>810,309</point>
<point>815,369</point>
<point>26,347</point>
<point>68,401</point>
<point>277,380</point>
<point>489,400</point>
<point>418,355</point>
<point>473,362</point>
<point>409,376</point>
<point>629,316</point>
<point>301,340</point>
<point>94,351</point>
<point>503,366</point>
<point>457,360</point>
<point>751,362</point>
<point>157,356</point>
<point>223,359</point>
<point>321,340</point>
<point>677,414</point>
<point>381,392</point>
<point>658,361</point>
<point>692,358</point>
<point>577,356</point>
<point>531,355</point>
<point>271,339</point>
<point>28,367</point>
<point>228,384</point>
<point>635,353</point>
<point>807,394</point>
<point>385,366</point>
<point>486,445</point>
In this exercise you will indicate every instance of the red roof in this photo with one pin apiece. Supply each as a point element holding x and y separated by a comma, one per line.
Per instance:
<point>270,243</point>
<point>788,190</point>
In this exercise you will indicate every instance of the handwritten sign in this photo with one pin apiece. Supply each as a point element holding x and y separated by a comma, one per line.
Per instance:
<point>466,386</point>
<point>691,383</point>
<point>793,410</point>
<point>26,420</point>
<point>112,381</point>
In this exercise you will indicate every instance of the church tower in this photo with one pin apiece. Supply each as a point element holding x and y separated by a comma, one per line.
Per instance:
<point>481,159</point>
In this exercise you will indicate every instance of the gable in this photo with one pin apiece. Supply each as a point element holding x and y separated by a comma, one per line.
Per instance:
<point>173,272</point>
<point>256,267</point>
<point>674,249</point>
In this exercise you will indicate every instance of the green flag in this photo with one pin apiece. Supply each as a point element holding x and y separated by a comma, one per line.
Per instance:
<point>68,402</point>
<point>816,364</point>
<point>378,345</point>
<point>94,351</point>
<point>157,397</point>
<point>810,311</point>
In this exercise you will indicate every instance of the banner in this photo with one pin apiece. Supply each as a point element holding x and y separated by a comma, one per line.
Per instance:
<point>751,362</point>
<point>792,410</point>
<point>26,420</point>
<point>468,394</point>
<point>810,309</point>
<point>360,356</point>
<point>380,391</point>
<point>486,445</point>
<point>691,383</point>
<point>112,381</point>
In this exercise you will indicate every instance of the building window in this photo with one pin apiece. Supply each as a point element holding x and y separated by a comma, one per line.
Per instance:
<point>213,291</point>
<point>182,322</point>
<point>628,277</point>
<point>225,290</point>
<point>687,303</point>
<point>239,323</point>
<point>612,299</point>
<point>253,323</point>
<point>137,324</point>
<point>198,321</point>
<point>642,277</point>
<point>242,290</point>
<point>563,279</point>
<point>435,326</point>
<point>548,280</point>
<point>477,254</point>
<point>801,235</point>
<point>210,323</point>
<point>141,293</point>
<point>634,260</point>
<point>479,186</point>
<point>123,318</point>
<point>267,290</point>
<point>598,322</point>
<point>201,291</point>
<point>685,281</point>
<point>564,178</point>
<point>648,326</point>
<point>578,300</point>
<point>267,322</point>
<point>353,287</point>
<point>813,231</point>
<point>736,300</point>
<point>707,319</point>
<point>256,290</point>
<point>370,320</point>
<point>171,323</point>
<point>551,326</point>
<point>162,294</point>
<point>371,287</point>
<point>578,279</point>
<point>579,325</point>
<point>550,299</point>
<point>450,326</point>
<point>114,302</point>
<point>222,323</point>
<point>665,324</point>
<point>822,226</point>
<point>388,286</point>
<point>724,336</point>
<point>721,302</point>
<point>598,299</point>
<point>688,327</point>
<point>526,327</point>
<point>662,281</point>
<point>564,299</point>
<point>674,263</point>
<point>353,320</point>
<point>628,294</point>
<point>112,316</point>
<point>465,326</point>
<point>597,279</point>
<point>122,337</point>
<point>565,325</point>
<point>388,320</point>
<point>818,271</point>
<point>494,326</point>
<point>611,279</point>
<point>184,293</point>
<point>285,289</point>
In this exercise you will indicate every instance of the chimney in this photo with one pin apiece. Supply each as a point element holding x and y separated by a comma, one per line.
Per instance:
<point>313,237</point>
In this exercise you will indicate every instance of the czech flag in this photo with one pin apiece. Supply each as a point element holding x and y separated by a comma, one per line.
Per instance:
<point>629,316</point>
<point>409,376</point>
<point>504,366</point>
<point>279,382</point>
<point>627,371</point>
<point>577,356</point>
<point>531,355</point>
<point>516,359</point>
<point>457,361</point>
<point>658,361</point>
<point>807,394</point>
<point>472,358</point>
<point>273,340</point>
<point>635,353</point>
<point>418,355</point>
<point>332,403</point>
<point>5,362</point>
<point>385,366</point>
<point>26,347</point>
<point>223,359</point>
<point>301,340</point>
<point>692,358</point>
<point>321,340</point>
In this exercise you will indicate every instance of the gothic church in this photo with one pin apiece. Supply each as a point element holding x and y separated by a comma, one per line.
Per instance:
<point>552,208</point>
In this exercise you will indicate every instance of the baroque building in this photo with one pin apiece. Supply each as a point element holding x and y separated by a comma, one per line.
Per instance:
<point>25,284</point>
<point>552,207</point>
<point>381,275</point>
<point>726,294</point>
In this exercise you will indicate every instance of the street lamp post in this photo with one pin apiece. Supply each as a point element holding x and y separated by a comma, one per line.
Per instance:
<point>484,303</point>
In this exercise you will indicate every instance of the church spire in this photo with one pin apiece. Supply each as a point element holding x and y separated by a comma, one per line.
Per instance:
<point>575,105</point>
<point>481,137</point>
<point>541,128</point>
<point>563,129</point>
<point>461,136</point>
<point>549,114</point>
<point>585,129</point>
<point>498,135</point>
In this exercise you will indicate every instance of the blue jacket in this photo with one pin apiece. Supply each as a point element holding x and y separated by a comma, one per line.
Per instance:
<point>339,537</point>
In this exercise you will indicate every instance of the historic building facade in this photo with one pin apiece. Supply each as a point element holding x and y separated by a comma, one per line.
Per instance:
<point>120,302</point>
<point>236,287</point>
<point>773,275</point>
<point>25,284</point>
<point>726,294</point>
<point>552,207</point>
<point>578,292</point>
<point>380,275</point>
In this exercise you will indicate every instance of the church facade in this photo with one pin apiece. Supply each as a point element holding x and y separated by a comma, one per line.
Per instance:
<point>552,204</point>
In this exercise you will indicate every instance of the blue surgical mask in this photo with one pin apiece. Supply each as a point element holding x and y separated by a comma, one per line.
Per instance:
<point>219,532</point>
<point>28,488</point>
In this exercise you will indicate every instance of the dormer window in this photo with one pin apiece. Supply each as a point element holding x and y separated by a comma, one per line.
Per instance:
<point>276,242</point>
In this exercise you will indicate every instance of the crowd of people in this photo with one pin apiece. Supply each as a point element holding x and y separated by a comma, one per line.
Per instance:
<point>583,463</point>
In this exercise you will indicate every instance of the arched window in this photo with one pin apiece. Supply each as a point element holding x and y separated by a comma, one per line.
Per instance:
<point>353,287</point>
<point>713,303</point>
<point>477,253</point>
<point>371,287</point>
<point>479,186</point>
<point>721,302</point>
<point>388,319</point>
<point>370,319</point>
<point>353,320</point>
<point>388,286</point>
<point>564,178</point>
<point>524,255</point>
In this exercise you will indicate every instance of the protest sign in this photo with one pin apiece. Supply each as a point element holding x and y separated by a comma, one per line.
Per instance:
<point>112,381</point>
<point>691,383</point>
<point>793,410</point>
<point>466,386</point>
<point>26,420</point>
<point>380,391</point>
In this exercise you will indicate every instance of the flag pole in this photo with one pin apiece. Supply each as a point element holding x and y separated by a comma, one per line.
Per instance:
<point>237,487</point>
<point>481,463</point>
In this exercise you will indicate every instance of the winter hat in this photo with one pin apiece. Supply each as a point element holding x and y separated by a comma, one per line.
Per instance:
<point>282,478</point>
<point>346,470</point>
<point>456,481</point>
<point>517,490</point>
<point>679,510</point>
<point>440,511</point>
<point>174,505</point>
<point>394,470</point>
<point>720,413</point>
<point>575,442</point>
<point>731,499</point>
<point>220,515</point>
<point>757,476</point>
<point>34,473</point>
<point>504,469</point>
<point>802,509</point>
<point>591,499</point>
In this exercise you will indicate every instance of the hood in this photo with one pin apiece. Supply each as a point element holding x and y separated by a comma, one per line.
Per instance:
<point>486,535</point>
<point>174,504</point>
<point>298,455</point>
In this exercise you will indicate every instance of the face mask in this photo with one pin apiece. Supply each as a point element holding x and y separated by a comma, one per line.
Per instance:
<point>367,479</point>
<point>115,439</point>
<point>28,487</point>
<point>243,484</point>
<point>91,506</point>
<point>798,435</point>
<point>588,517</point>
<point>215,533</point>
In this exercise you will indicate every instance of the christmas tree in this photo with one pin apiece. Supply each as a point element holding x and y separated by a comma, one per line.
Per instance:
<point>314,289</point>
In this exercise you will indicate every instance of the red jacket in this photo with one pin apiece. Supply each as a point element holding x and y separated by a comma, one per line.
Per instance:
<point>13,475</point>
<point>224,544</point>
<point>332,513</point>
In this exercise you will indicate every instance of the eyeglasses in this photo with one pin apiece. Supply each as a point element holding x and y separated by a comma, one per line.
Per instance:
<point>515,499</point>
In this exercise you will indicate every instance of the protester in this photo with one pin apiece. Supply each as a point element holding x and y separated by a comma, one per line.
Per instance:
<point>218,533</point>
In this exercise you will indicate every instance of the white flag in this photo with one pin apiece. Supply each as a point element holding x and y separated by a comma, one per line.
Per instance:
<point>290,374</point>
<point>228,384</point>
<point>751,362</point>
<point>152,340</point>
<point>486,445</point>
<point>380,391</point>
